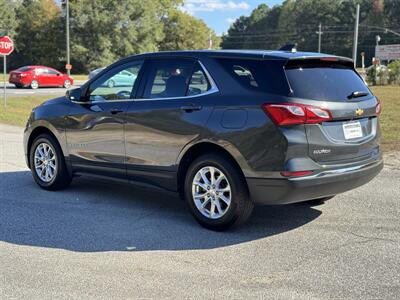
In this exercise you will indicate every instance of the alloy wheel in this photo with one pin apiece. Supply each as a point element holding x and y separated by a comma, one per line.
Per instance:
<point>45,162</point>
<point>211,192</point>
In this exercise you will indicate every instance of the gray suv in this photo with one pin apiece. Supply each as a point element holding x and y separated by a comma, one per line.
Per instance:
<point>225,129</point>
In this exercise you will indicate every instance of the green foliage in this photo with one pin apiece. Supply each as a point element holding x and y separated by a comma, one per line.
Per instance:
<point>8,22</point>
<point>38,40</point>
<point>101,31</point>
<point>378,75</point>
<point>394,72</point>
<point>183,31</point>
<point>298,20</point>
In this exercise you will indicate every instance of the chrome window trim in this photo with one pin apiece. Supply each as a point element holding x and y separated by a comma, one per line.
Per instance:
<point>212,90</point>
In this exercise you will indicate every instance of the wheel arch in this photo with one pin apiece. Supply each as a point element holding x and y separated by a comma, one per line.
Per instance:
<point>34,134</point>
<point>204,147</point>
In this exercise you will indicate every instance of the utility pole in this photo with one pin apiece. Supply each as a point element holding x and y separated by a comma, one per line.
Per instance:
<point>67,37</point>
<point>210,43</point>
<point>319,32</point>
<point>355,41</point>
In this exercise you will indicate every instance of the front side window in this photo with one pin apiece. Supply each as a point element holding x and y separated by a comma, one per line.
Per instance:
<point>117,84</point>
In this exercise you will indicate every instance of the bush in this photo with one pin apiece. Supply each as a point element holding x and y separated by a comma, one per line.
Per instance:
<point>394,72</point>
<point>378,75</point>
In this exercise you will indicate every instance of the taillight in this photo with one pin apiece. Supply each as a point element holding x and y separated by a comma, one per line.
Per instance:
<point>284,114</point>
<point>378,107</point>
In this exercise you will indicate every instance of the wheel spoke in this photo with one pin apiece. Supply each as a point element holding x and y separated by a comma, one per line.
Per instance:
<point>198,183</point>
<point>218,206</point>
<point>225,199</point>
<point>204,177</point>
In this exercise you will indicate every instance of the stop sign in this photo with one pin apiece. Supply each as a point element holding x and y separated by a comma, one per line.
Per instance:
<point>6,45</point>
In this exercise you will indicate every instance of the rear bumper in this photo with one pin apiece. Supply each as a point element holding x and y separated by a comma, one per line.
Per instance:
<point>326,183</point>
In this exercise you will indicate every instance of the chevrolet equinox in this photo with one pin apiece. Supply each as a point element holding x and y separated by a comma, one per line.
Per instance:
<point>225,129</point>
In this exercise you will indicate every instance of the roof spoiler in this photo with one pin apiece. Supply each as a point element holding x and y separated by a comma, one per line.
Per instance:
<point>289,47</point>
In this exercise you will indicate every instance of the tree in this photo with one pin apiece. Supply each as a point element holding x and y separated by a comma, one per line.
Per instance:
<point>37,34</point>
<point>185,32</point>
<point>105,30</point>
<point>8,22</point>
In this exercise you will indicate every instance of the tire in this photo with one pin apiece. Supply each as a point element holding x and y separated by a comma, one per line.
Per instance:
<point>110,84</point>
<point>319,201</point>
<point>19,86</point>
<point>34,84</point>
<point>61,177</point>
<point>240,206</point>
<point>67,84</point>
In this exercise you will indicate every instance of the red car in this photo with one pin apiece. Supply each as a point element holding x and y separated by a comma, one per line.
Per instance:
<point>39,76</point>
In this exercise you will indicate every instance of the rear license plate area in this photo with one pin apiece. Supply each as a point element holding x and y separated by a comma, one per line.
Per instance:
<point>352,130</point>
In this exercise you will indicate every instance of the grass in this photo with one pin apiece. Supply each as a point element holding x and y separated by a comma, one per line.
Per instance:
<point>19,108</point>
<point>390,117</point>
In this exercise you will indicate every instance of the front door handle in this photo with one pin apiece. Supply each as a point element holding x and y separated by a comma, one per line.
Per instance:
<point>115,111</point>
<point>190,108</point>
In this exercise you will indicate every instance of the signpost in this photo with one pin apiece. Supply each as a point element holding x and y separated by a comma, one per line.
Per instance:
<point>6,48</point>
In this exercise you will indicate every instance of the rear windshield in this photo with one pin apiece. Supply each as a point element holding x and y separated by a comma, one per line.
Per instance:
<point>24,69</point>
<point>324,81</point>
<point>257,75</point>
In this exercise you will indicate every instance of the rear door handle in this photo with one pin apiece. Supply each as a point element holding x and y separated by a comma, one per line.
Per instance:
<point>190,108</point>
<point>115,111</point>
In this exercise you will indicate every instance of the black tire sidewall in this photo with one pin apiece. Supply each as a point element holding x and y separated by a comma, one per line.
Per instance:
<point>61,173</point>
<point>238,191</point>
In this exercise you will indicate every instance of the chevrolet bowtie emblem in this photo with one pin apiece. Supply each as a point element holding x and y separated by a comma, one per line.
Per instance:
<point>359,112</point>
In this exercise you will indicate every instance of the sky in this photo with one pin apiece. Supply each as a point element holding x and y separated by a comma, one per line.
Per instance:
<point>219,14</point>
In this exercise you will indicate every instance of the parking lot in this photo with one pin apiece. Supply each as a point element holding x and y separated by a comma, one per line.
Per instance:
<point>98,239</point>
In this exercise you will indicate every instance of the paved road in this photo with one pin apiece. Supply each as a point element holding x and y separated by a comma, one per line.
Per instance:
<point>99,240</point>
<point>12,91</point>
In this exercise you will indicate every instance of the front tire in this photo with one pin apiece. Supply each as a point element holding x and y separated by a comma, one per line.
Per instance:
<point>47,164</point>
<point>67,84</point>
<point>216,193</point>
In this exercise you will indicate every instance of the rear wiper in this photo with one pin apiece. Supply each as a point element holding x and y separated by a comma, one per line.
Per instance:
<point>357,94</point>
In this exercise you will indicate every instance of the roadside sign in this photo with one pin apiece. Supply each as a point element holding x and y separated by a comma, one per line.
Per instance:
<point>6,48</point>
<point>68,67</point>
<point>388,52</point>
<point>6,45</point>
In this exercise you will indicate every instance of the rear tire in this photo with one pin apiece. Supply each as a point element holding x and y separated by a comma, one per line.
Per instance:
<point>47,163</point>
<point>34,84</point>
<point>219,203</point>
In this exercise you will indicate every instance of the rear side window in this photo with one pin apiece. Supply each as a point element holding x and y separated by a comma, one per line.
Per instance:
<point>169,78</point>
<point>258,75</point>
<point>324,80</point>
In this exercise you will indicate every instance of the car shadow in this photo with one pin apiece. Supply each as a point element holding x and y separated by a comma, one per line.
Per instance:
<point>98,215</point>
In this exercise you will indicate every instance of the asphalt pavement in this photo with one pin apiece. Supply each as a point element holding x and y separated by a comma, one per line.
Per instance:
<point>98,240</point>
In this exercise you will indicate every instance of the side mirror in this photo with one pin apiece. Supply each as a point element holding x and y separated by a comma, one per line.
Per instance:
<point>74,94</point>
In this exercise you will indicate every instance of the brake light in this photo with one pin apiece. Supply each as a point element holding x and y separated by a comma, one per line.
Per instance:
<point>285,114</point>
<point>378,107</point>
<point>296,173</point>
